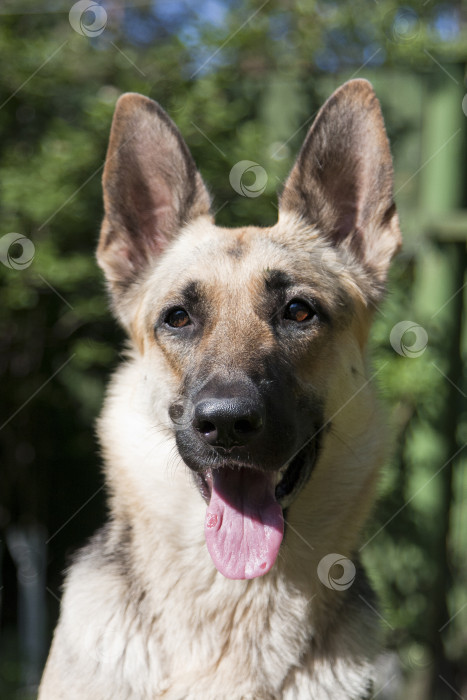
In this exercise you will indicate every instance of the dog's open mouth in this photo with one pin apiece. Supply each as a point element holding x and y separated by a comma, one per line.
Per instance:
<point>244,523</point>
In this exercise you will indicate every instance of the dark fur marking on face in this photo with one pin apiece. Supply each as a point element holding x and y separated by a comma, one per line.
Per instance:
<point>193,293</point>
<point>193,299</point>
<point>278,282</point>
<point>277,279</point>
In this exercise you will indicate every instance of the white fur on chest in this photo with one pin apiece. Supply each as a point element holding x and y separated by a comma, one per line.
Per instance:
<point>217,642</point>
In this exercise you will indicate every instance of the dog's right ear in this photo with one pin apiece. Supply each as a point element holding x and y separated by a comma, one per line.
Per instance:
<point>151,188</point>
<point>342,180</point>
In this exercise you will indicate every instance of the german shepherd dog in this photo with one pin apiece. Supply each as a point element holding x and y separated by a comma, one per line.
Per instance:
<point>241,438</point>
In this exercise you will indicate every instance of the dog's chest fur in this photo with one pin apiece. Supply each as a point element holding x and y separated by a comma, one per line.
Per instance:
<point>261,640</point>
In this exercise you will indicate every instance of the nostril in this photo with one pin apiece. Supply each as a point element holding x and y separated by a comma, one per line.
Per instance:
<point>206,427</point>
<point>243,426</point>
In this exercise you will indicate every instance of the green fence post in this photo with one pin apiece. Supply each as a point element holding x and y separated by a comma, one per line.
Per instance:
<point>442,194</point>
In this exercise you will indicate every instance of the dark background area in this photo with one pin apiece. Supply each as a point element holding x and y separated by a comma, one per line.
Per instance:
<point>242,81</point>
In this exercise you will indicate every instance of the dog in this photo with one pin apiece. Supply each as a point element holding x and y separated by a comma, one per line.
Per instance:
<point>241,437</point>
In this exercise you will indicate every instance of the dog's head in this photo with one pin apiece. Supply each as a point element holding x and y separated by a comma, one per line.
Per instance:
<point>259,333</point>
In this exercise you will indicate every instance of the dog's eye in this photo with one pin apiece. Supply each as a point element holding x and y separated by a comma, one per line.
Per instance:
<point>177,318</point>
<point>298,311</point>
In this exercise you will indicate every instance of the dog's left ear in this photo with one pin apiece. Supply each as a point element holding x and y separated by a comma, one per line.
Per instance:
<point>151,188</point>
<point>342,180</point>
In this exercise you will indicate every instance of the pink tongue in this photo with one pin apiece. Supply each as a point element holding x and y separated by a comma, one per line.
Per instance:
<point>244,524</point>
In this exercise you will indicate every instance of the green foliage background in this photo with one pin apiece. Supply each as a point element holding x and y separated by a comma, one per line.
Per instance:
<point>241,81</point>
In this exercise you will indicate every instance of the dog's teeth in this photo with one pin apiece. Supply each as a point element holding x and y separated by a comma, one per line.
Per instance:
<point>280,473</point>
<point>278,476</point>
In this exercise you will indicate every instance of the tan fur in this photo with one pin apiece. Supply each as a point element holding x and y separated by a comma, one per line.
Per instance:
<point>145,613</point>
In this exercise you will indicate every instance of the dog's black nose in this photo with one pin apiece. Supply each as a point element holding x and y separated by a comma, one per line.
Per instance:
<point>227,422</point>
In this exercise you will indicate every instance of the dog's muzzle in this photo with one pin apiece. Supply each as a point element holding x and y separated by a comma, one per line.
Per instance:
<point>241,445</point>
